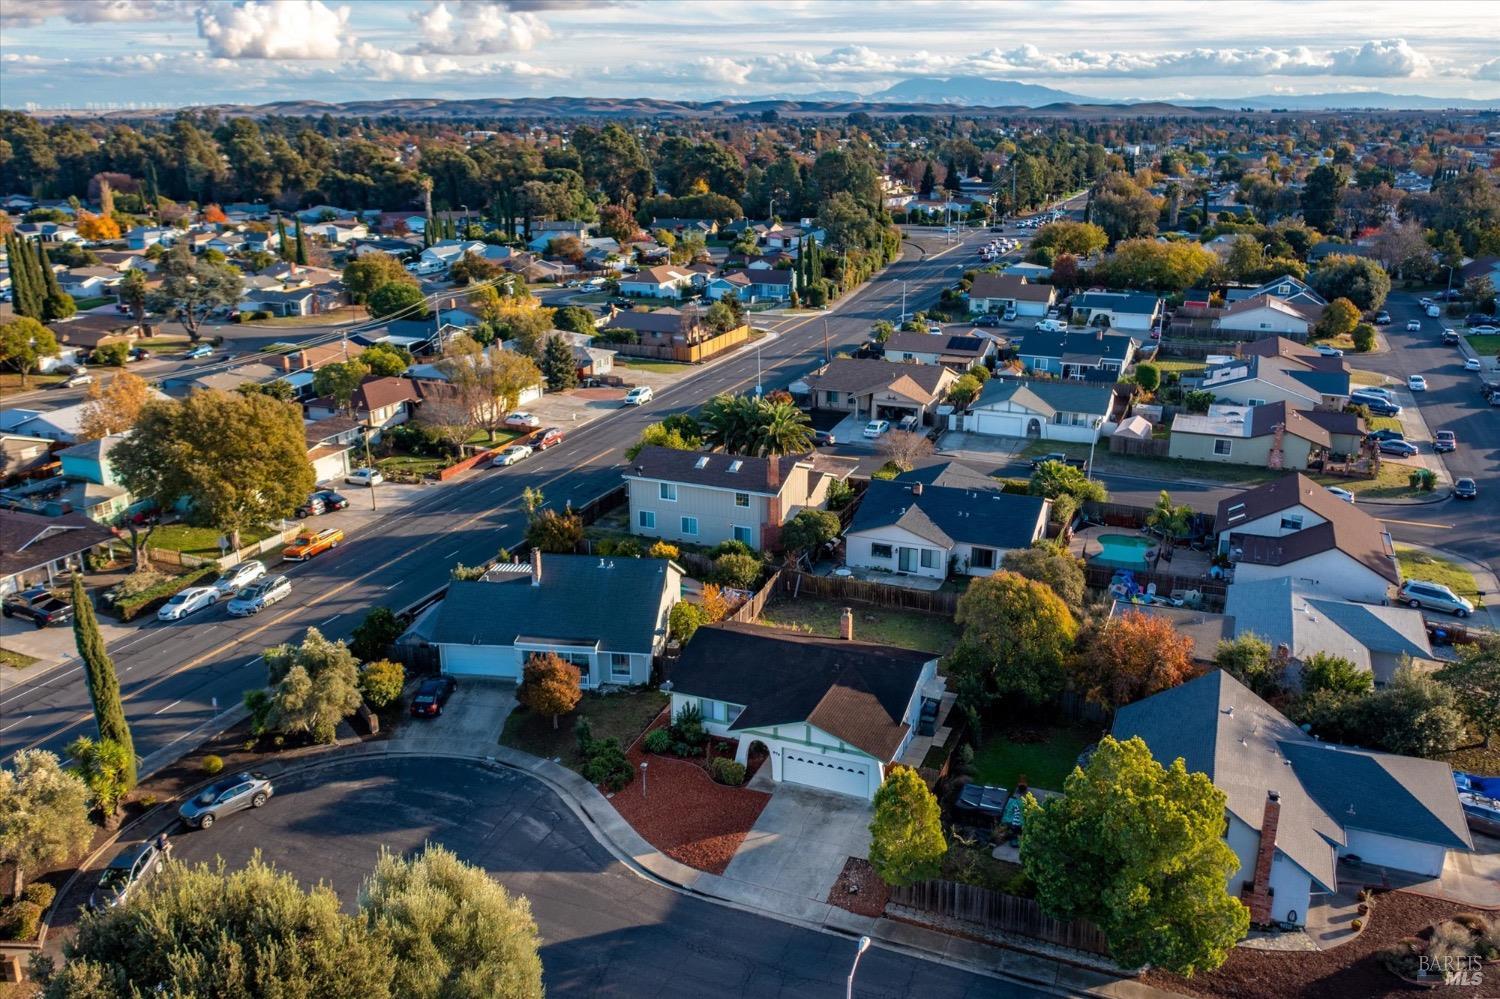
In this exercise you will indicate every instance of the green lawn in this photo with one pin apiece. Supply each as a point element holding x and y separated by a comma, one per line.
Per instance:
<point>1390,482</point>
<point>84,304</point>
<point>201,541</point>
<point>622,715</point>
<point>501,438</point>
<point>10,382</point>
<point>1383,423</point>
<point>410,464</point>
<point>19,660</point>
<point>1168,470</point>
<point>1045,763</point>
<point>1180,365</point>
<point>1417,564</point>
<point>659,367</point>
<point>903,629</point>
<point>1487,344</point>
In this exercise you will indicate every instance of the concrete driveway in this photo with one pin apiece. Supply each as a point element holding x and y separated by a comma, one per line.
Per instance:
<point>800,842</point>
<point>470,723</point>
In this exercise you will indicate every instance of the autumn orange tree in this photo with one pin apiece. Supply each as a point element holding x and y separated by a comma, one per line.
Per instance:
<point>113,407</point>
<point>1131,656</point>
<point>215,214</point>
<point>97,227</point>
<point>549,686</point>
<point>714,604</point>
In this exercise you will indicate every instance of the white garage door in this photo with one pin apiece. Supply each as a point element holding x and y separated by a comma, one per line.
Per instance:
<point>999,424</point>
<point>479,660</point>
<point>827,772</point>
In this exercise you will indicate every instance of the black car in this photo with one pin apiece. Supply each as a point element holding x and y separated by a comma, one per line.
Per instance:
<point>321,502</point>
<point>431,696</point>
<point>1478,319</point>
<point>1385,435</point>
<point>1465,489</point>
<point>39,605</point>
<point>987,320</point>
<point>1380,407</point>
<point>824,438</point>
<point>622,303</point>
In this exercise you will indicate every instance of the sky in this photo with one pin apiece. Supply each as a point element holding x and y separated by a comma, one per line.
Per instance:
<point>139,53</point>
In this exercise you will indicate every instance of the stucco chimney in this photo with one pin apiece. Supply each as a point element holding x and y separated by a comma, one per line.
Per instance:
<point>916,488</point>
<point>846,624</point>
<point>536,567</point>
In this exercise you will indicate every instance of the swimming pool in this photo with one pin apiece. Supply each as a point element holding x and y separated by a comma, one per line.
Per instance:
<point>1128,551</point>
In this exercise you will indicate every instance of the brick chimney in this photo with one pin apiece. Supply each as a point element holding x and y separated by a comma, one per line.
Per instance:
<point>770,531</point>
<point>846,624</point>
<point>1256,893</point>
<point>536,567</point>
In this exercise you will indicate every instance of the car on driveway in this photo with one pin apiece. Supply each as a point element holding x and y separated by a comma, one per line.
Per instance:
<point>188,601</point>
<point>309,543</point>
<point>639,396</point>
<point>1385,435</point>
<point>1328,351</point>
<point>39,605</point>
<point>875,428</point>
<point>551,437</point>
<point>365,477</point>
<point>1485,329</point>
<point>523,421</point>
<point>1445,441</point>
<point>258,596</point>
<point>1416,383</point>
<point>430,697</point>
<point>1472,364</point>
<point>987,320</point>
<point>1342,494</point>
<point>824,438</point>
<point>130,867</point>
<point>321,502</point>
<point>1382,318</point>
<point>1435,597</point>
<point>238,577</point>
<point>1401,449</point>
<point>1466,489</point>
<point>510,456</point>
<point>1413,325</point>
<point>225,797</point>
<point>1378,405</point>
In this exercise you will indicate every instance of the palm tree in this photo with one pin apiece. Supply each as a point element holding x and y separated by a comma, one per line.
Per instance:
<point>728,422</point>
<point>782,429</point>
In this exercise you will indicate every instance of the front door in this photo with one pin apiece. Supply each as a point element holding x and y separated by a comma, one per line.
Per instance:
<point>907,560</point>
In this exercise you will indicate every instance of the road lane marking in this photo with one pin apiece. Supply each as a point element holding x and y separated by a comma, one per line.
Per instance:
<point>325,624</point>
<point>1416,523</point>
<point>453,553</point>
<point>169,707</point>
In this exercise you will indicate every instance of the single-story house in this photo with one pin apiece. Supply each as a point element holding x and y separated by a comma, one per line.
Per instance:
<point>23,457</point>
<point>90,329</point>
<point>378,403</point>
<point>662,327</point>
<point>789,238</point>
<point>1378,639</point>
<point>1003,292</point>
<point>736,283</point>
<point>878,389</point>
<point>590,361</point>
<point>144,237</point>
<point>329,443</point>
<point>1296,805</point>
<point>953,351</point>
<point>940,519</point>
<point>774,283</point>
<point>1087,354</point>
<point>1271,436</point>
<point>1031,272</point>
<point>389,245</point>
<point>541,240</point>
<point>832,713</point>
<point>686,228</point>
<point>36,549</point>
<point>1204,629</point>
<point>665,281</point>
<point>1121,310</point>
<point>707,498</point>
<point>1291,290</point>
<point>491,626</point>
<point>444,254</point>
<point>1046,410</point>
<point>1346,431</point>
<point>1295,528</point>
<point>1267,315</point>
<point>296,302</point>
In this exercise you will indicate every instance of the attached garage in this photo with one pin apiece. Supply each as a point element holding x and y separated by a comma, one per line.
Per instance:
<point>1400,854</point>
<point>488,661</point>
<point>1006,424</point>
<point>826,772</point>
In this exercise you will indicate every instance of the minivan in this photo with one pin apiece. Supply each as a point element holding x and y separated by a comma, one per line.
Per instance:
<point>1434,596</point>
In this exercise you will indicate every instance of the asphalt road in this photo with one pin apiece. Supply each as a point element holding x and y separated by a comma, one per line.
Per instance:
<point>171,674</point>
<point>604,930</point>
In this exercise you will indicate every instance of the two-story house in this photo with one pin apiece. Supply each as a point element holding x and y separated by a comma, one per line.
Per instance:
<point>1255,380</point>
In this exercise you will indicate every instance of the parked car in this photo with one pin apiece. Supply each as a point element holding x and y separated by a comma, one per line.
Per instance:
<point>1472,364</point>
<point>236,578</point>
<point>1478,319</point>
<point>186,602</point>
<point>1385,435</point>
<point>934,328</point>
<point>1416,383</point>
<point>551,437</point>
<point>1382,318</point>
<point>987,320</point>
<point>1379,405</point>
<point>368,476</point>
<point>308,543</point>
<point>1079,463</point>
<point>523,421</point>
<point>258,596</point>
<point>1413,325</point>
<point>1445,441</point>
<point>1375,390</point>
<point>321,502</point>
<point>639,396</point>
<point>39,606</point>
<point>130,867</point>
<point>1450,337</point>
<point>1328,351</point>
<point>1485,329</point>
<point>875,428</point>
<point>1435,597</point>
<point>78,380</point>
<point>1342,494</point>
<point>202,350</point>
<point>1401,449</point>
<point>510,456</point>
<point>225,797</point>
<point>1010,315</point>
<point>1466,489</point>
<point>430,697</point>
<point>824,438</point>
<point>622,303</point>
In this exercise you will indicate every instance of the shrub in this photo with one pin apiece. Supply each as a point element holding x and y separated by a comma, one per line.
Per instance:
<point>1364,338</point>
<point>739,571</point>
<point>39,893</point>
<point>840,494</point>
<point>22,920</point>
<point>212,764</point>
<point>1356,924</point>
<point>381,681</point>
<point>628,548</point>
<point>684,620</point>
<point>374,635</point>
<point>149,800</point>
<point>887,471</point>
<point>730,547</point>
<point>607,765</point>
<point>688,725</point>
<point>1423,479</point>
<point>658,740</point>
<point>663,549</point>
<point>583,731</point>
<point>727,771</point>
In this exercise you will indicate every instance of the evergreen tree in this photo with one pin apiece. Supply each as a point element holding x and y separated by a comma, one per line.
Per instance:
<point>56,303</point>
<point>953,180</point>
<point>285,247</point>
<point>20,293</point>
<point>99,672</point>
<point>929,182</point>
<point>33,289</point>
<point>302,244</point>
<point>153,197</point>
<point>558,364</point>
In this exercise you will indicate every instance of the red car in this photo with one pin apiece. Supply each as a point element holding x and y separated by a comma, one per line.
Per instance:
<point>550,437</point>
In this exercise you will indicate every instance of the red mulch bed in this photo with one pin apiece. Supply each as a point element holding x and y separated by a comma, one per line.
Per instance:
<point>872,894</point>
<point>1355,969</point>
<point>684,814</point>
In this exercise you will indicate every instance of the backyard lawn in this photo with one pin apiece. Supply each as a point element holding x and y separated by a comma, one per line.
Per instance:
<point>410,465</point>
<point>1166,469</point>
<point>201,541</point>
<point>1417,564</point>
<point>1045,755</point>
<point>903,629</point>
<point>622,716</point>
<point>1181,365</point>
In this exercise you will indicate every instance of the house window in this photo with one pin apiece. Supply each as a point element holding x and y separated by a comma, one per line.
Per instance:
<point>981,558</point>
<point>647,519</point>
<point>742,499</point>
<point>1222,446</point>
<point>878,550</point>
<point>742,534</point>
<point>690,526</point>
<point>1257,402</point>
<point>619,666</point>
<point>667,491</point>
<point>713,711</point>
<point>1291,523</point>
<point>929,558</point>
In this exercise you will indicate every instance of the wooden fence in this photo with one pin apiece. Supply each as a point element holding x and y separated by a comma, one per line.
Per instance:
<point>687,353</point>
<point>749,612</point>
<point>995,910</point>
<point>864,591</point>
<point>1153,447</point>
<point>1213,591</point>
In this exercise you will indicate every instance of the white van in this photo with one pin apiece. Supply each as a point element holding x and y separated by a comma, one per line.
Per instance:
<point>1052,326</point>
<point>1433,311</point>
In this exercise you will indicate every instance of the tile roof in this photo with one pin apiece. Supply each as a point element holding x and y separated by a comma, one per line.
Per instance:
<point>855,691</point>
<point>949,504</point>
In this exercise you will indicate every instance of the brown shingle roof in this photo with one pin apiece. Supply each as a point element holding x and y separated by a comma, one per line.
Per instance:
<point>378,393</point>
<point>28,540</point>
<point>1009,286</point>
<point>862,375</point>
<point>1347,528</point>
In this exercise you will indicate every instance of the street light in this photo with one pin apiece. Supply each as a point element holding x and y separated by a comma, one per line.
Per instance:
<point>758,346</point>
<point>643,778</point>
<point>1097,421</point>
<point>864,945</point>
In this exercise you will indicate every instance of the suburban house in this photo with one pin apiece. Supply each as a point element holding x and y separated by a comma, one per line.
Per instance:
<point>1091,354</point>
<point>774,283</point>
<point>444,254</point>
<point>952,351</point>
<point>1376,638</point>
<point>37,549</point>
<point>1267,315</point>
<point>1293,291</point>
<point>1204,629</point>
<point>279,302</point>
<point>686,228</point>
<point>662,327</point>
<point>1047,410</point>
<point>1004,292</point>
<point>329,442</point>
<point>940,519</point>
<point>789,238</point>
<point>664,281</point>
<point>878,389</point>
<point>1119,310</point>
<point>1296,805</point>
<point>1031,272</point>
<point>64,424</point>
<point>378,403</point>
<point>832,713</point>
<point>1254,380</point>
<point>144,237</point>
<point>1481,267</point>
<point>1270,436</point>
<point>589,361</point>
<point>1346,431</point>
<point>736,283</point>
<point>706,498</point>
<point>541,240</point>
<point>99,494</point>
<point>91,329</point>
<point>489,627</point>
<point>1292,527</point>
<point>23,457</point>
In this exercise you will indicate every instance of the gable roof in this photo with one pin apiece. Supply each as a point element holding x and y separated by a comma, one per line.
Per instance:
<point>855,691</point>
<point>655,321</point>
<point>1078,346</point>
<point>1266,301</point>
<point>1252,422</point>
<point>1013,286</point>
<point>862,375</point>
<point>565,607</point>
<point>949,503</point>
<point>1345,528</point>
<point>928,343</point>
<point>1124,302</point>
<point>29,540</point>
<point>1047,396</point>
<point>743,473</point>
<point>378,393</point>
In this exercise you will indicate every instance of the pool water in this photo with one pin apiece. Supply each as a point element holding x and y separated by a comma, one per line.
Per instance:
<point>1127,551</point>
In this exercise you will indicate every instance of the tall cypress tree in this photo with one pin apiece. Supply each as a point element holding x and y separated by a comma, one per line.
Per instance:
<point>56,303</point>
<point>99,672</point>
<point>301,244</point>
<point>153,197</point>
<point>29,293</point>
<point>286,249</point>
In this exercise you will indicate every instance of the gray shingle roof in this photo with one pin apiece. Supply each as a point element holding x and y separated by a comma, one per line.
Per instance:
<point>1124,302</point>
<point>704,468</point>
<point>1077,345</point>
<point>613,602</point>
<point>955,505</point>
<point>1046,396</point>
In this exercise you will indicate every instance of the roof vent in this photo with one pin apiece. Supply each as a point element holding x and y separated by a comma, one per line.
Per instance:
<point>1350,809</point>
<point>611,564</point>
<point>1229,711</point>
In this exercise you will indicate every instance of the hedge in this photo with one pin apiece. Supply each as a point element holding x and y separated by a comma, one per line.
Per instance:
<point>153,597</point>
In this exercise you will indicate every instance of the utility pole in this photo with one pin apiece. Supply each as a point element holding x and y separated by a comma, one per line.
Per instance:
<point>827,357</point>
<point>369,464</point>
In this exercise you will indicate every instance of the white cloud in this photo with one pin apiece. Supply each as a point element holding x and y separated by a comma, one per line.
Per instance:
<point>1391,57</point>
<point>387,64</point>
<point>476,27</point>
<point>275,29</point>
<point>33,12</point>
<point>1489,71</point>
